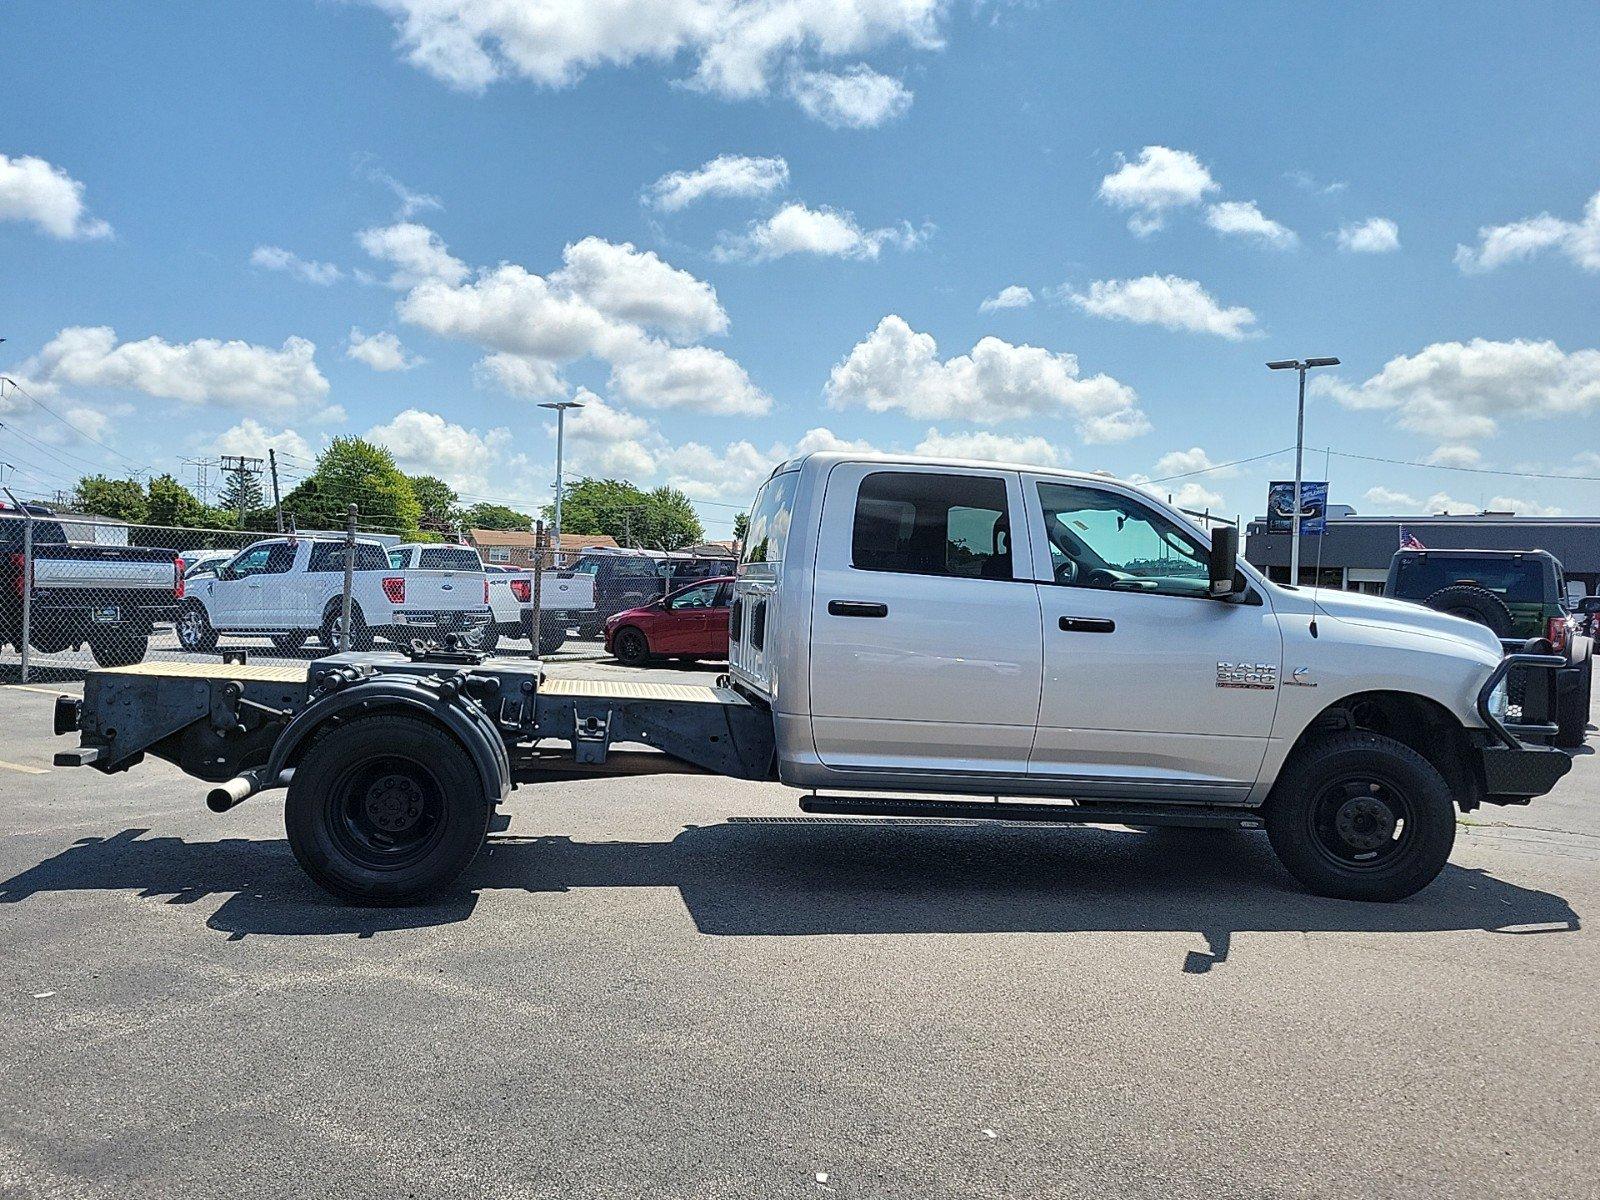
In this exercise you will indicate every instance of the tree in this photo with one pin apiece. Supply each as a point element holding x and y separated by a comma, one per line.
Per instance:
<point>121,498</point>
<point>496,516</point>
<point>354,470</point>
<point>741,527</point>
<point>440,504</point>
<point>171,503</point>
<point>241,495</point>
<point>662,519</point>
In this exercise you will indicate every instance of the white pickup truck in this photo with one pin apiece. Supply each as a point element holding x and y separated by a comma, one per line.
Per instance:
<point>562,595</point>
<point>930,639</point>
<point>290,589</point>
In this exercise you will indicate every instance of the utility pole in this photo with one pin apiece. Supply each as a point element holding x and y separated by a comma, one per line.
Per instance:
<point>244,471</point>
<point>202,477</point>
<point>561,407</point>
<point>277,497</point>
<point>1299,453</point>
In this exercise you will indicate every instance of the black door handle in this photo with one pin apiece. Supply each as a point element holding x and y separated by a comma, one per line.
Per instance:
<point>1087,625</point>
<point>857,608</point>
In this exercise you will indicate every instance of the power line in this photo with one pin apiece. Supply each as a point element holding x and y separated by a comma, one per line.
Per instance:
<point>1400,462</point>
<point>86,436</point>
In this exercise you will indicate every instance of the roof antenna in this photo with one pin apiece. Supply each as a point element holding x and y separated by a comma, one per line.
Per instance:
<point>1316,579</point>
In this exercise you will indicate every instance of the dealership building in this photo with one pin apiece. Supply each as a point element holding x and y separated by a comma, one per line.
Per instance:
<point>1355,551</point>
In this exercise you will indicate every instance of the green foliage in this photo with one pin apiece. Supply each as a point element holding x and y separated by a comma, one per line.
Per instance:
<point>496,516</point>
<point>354,470</point>
<point>741,526</point>
<point>171,503</point>
<point>121,498</point>
<point>440,504</point>
<point>659,520</point>
<point>241,495</point>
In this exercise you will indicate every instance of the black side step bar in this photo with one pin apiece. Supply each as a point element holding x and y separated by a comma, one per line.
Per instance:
<point>1095,813</point>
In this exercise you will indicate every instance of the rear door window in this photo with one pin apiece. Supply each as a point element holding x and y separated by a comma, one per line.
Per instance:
<point>926,524</point>
<point>768,533</point>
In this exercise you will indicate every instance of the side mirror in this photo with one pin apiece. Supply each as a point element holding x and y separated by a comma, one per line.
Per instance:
<point>1589,604</point>
<point>1223,563</point>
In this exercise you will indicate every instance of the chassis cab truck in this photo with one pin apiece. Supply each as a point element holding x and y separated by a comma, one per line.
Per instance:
<point>908,637</point>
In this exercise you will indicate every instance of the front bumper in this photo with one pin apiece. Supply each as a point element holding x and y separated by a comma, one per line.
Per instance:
<point>1515,768</point>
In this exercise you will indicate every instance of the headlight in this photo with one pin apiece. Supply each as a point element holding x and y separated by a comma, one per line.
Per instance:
<point>1500,701</point>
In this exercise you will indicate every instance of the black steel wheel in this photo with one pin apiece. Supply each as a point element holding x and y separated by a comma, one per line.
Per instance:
<point>630,646</point>
<point>386,810</point>
<point>1359,816</point>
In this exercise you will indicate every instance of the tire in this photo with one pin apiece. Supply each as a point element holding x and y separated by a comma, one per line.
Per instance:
<point>386,810</point>
<point>120,648</point>
<point>360,632</point>
<point>1572,710</point>
<point>1474,604</point>
<point>1332,814</point>
<point>487,639</point>
<point>552,634</point>
<point>194,630</point>
<point>288,643</point>
<point>630,646</point>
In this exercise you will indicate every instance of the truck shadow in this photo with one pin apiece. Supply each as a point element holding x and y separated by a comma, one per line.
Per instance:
<point>799,876</point>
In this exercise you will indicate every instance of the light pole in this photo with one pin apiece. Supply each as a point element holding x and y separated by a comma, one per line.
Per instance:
<point>561,407</point>
<point>1287,364</point>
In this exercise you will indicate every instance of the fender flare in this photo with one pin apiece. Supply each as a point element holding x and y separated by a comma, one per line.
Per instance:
<point>460,716</point>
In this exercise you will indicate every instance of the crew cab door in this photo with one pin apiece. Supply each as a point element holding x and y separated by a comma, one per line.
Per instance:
<point>244,595</point>
<point>925,638</point>
<point>1150,687</point>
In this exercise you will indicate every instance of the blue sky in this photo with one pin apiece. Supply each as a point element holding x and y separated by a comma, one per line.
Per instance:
<point>1167,181</point>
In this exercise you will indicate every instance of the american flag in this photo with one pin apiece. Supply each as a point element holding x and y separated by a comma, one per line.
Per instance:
<point>1409,540</point>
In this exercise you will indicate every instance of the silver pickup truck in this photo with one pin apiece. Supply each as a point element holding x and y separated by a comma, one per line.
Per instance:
<point>82,592</point>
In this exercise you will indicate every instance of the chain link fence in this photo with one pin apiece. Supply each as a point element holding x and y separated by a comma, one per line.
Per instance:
<point>82,591</point>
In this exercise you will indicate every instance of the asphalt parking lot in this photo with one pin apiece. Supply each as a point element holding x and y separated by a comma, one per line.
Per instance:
<point>679,987</point>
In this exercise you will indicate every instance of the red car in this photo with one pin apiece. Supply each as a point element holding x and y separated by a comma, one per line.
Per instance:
<point>690,623</point>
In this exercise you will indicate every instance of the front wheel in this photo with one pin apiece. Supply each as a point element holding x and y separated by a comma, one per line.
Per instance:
<point>386,810</point>
<point>631,647</point>
<point>194,630</point>
<point>1358,816</point>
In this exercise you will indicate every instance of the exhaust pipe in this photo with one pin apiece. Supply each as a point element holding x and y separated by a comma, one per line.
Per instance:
<point>241,787</point>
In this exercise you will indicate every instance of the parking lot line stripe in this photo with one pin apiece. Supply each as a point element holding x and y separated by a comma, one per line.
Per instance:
<point>11,766</point>
<point>22,687</point>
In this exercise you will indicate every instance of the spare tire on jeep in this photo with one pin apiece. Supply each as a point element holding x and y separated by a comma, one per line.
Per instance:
<point>1475,604</point>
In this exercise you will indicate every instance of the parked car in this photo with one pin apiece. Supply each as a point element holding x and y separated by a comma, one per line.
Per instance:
<point>910,638</point>
<point>511,593</point>
<point>691,623</point>
<point>1517,594</point>
<point>622,580</point>
<point>83,592</point>
<point>204,562</point>
<point>290,589</point>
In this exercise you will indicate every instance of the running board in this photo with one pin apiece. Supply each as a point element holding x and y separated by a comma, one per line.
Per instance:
<point>1096,813</point>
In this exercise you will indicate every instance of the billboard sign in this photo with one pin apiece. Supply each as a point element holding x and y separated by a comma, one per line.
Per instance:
<point>1313,507</point>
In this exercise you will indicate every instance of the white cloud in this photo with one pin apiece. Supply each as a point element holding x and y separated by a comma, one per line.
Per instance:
<point>1184,462</point>
<point>1455,456</point>
<point>1498,245</point>
<point>1241,218</point>
<point>426,443</point>
<point>1462,391</point>
<point>728,176</point>
<point>599,304</point>
<point>411,202</point>
<point>1375,235</point>
<point>250,437</point>
<point>276,258</point>
<point>380,351</point>
<point>737,46</point>
<point>856,98</point>
<point>32,189</point>
<point>1015,296</point>
<point>1403,503</point>
<point>896,368</point>
<point>637,287</point>
<point>1159,180</point>
<point>205,371</point>
<point>992,447</point>
<point>1165,300</point>
<point>417,253</point>
<point>796,229</point>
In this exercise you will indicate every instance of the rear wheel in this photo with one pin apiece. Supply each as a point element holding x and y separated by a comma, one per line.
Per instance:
<point>119,647</point>
<point>552,634</point>
<point>333,626</point>
<point>386,810</point>
<point>288,643</point>
<point>1359,816</point>
<point>630,646</point>
<point>486,639</point>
